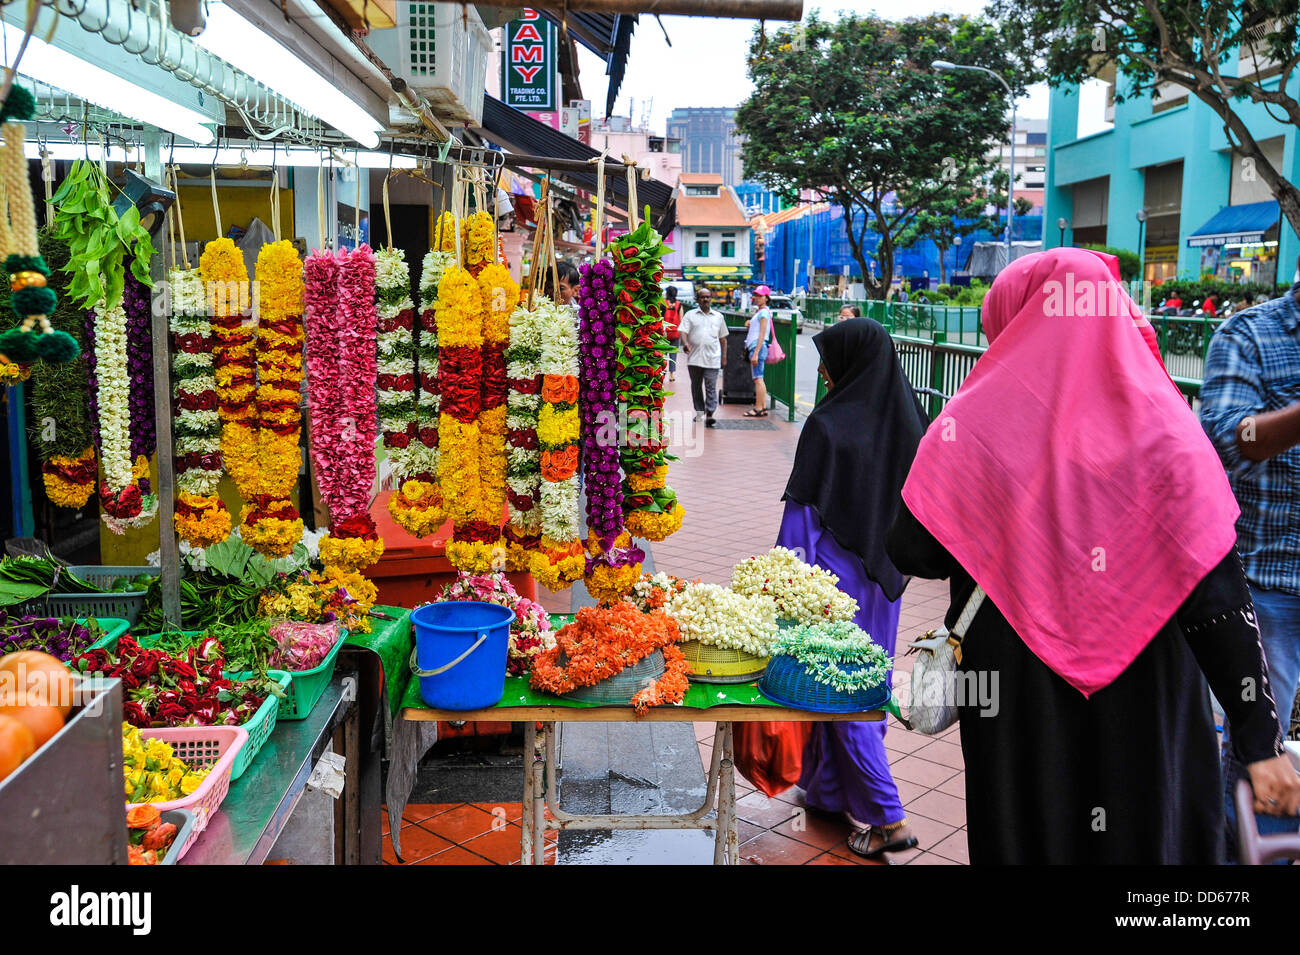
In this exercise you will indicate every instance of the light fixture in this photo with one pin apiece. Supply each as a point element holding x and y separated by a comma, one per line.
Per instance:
<point>152,200</point>
<point>246,47</point>
<point>66,71</point>
<point>259,157</point>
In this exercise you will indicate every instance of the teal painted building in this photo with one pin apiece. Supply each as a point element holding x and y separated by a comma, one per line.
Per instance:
<point>1168,154</point>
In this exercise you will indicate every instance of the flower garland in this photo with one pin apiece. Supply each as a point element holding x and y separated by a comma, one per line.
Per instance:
<point>655,591</point>
<point>613,564</point>
<point>560,559</point>
<point>499,295</point>
<point>417,505</point>
<point>342,365</point>
<point>480,244</point>
<point>523,459</point>
<point>720,617</point>
<point>601,642</point>
<point>138,305</point>
<point>324,596</point>
<point>530,633</point>
<point>475,545</point>
<point>125,497</point>
<point>396,363</point>
<point>266,466</point>
<point>200,516</point>
<point>650,507</point>
<point>839,654</point>
<point>803,593</point>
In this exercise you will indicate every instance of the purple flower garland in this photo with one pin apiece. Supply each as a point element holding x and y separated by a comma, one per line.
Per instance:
<point>88,355</point>
<point>136,301</point>
<point>597,402</point>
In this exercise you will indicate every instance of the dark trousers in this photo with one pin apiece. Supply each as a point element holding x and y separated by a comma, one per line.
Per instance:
<point>672,358</point>
<point>704,389</point>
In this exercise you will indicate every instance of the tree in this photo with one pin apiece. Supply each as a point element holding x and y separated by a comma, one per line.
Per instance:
<point>852,111</point>
<point>1189,44</point>
<point>970,203</point>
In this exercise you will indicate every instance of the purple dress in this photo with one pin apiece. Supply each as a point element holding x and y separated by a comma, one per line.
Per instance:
<point>845,767</point>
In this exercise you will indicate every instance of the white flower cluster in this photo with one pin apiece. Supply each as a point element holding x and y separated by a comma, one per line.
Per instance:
<point>428,405</point>
<point>558,331</point>
<point>114,395</point>
<point>197,432</point>
<point>720,617</point>
<point>396,406</point>
<point>654,591</point>
<point>431,270</point>
<point>523,465</point>
<point>559,507</point>
<point>803,594</point>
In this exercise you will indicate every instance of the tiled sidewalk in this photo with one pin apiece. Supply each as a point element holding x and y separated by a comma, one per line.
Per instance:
<point>730,483</point>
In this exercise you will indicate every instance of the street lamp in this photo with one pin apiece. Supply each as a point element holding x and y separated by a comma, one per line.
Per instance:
<point>1062,223</point>
<point>945,66</point>
<point>1142,246</point>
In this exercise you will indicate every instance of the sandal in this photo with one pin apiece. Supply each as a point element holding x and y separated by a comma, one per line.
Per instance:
<point>755,413</point>
<point>892,839</point>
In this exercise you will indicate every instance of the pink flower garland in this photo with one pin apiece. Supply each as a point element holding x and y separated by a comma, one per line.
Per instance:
<point>342,322</point>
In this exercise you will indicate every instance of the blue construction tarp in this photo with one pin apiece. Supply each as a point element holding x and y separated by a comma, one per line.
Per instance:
<point>832,253</point>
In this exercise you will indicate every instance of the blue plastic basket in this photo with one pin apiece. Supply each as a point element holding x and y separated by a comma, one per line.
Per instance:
<point>785,681</point>
<point>460,653</point>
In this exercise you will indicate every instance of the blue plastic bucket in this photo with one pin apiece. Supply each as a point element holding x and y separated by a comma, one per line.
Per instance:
<point>460,653</point>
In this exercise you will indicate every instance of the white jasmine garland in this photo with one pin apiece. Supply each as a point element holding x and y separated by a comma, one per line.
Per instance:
<point>114,396</point>
<point>397,407</point>
<point>720,617</point>
<point>559,505</point>
<point>837,654</point>
<point>803,593</point>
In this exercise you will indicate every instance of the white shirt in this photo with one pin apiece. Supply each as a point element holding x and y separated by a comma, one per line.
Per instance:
<point>703,334</point>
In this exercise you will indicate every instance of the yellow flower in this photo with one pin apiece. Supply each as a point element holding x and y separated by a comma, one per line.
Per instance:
<point>607,583</point>
<point>444,233</point>
<point>558,429</point>
<point>350,553</point>
<point>271,536</point>
<point>479,239</point>
<point>192,782</point>
<point>417,508</point>
<point>648,482</point>
<point>500,296</point>
<point>12,373</point>
<point>459,310</point>
<point>458,472</point>
<point>653,526</point>
<point>474,557</point>
<point>557,573</point>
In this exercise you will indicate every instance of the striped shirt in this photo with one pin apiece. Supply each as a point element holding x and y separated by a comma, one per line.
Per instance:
<point>1253,366</point>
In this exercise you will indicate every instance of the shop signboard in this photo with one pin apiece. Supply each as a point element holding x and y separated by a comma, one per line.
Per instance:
<point>529,63</point>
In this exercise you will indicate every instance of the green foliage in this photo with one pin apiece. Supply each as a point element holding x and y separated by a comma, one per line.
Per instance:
<point>1129,262</point>
<point>851,110</point>
<point>1191,44</point>
<point>972,294</point>
<point>100,243</point>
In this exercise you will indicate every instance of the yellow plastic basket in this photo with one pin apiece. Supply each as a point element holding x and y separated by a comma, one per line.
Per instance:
<point>717,665</point>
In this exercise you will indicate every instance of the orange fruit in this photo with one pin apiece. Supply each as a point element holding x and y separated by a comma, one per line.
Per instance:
<point>43,719</point>
<point>16,744</point>
<point>39,677</point>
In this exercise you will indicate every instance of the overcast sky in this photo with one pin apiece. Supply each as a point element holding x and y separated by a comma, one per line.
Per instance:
<point>705,66</point>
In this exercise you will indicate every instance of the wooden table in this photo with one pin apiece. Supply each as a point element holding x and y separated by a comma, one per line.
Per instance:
<point>718,811</point>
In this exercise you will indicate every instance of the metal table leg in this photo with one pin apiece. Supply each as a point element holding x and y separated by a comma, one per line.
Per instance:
<point>541,765</point>
<point>526,817</point>
<point>727,795</point>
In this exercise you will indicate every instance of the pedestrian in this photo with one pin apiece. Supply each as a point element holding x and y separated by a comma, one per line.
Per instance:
<point>1210,306</point>
<point>1251,411</point>
<point>1070,479</point>
<point>843,494</point>
<point>672,328</point>
<point>563,292</point>
<point>704,341</point>
<point>849,311</point>
<point>757,341</point>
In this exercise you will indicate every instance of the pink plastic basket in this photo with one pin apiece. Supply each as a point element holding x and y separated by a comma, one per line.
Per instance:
<point>202,746</point>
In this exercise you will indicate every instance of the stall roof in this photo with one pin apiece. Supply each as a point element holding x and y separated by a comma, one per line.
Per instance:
<point>522,135</point>
<point>1234,225</point>
<point>607,35</point>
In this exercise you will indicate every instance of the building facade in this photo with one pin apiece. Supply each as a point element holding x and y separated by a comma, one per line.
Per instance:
<point>709,141</point>
<point>1207,211</point>
<point>712,237</point>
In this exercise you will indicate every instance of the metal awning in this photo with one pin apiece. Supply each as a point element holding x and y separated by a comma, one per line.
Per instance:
<point>1237,225</point>
<point>521,135</point>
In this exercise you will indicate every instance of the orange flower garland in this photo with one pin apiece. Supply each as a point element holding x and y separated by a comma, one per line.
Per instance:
<point>602,642</point>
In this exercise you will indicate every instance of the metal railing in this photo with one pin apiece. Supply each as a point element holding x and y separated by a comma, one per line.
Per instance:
<point>779,378</point>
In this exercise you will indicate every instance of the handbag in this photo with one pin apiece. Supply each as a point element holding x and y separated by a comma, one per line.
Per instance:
<point>775,355</point>
<point>933,705</point>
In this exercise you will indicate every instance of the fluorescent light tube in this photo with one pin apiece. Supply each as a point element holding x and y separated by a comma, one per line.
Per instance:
<point>244,46</point>
<point>66,71</point>
<point>259,157</point>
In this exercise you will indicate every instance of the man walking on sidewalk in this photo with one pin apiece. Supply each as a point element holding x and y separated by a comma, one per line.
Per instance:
<point>704,340</point>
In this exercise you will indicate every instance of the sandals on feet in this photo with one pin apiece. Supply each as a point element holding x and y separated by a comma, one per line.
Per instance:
<point>754,413</point>
<point>871,842</point>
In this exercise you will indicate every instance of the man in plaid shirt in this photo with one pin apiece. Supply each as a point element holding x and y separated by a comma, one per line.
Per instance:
<point>1250,408</point>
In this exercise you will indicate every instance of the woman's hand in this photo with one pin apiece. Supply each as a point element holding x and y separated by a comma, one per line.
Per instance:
<point>1276,785</point>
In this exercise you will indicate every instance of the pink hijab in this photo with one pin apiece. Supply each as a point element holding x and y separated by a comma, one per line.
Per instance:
<point>1068,476</point>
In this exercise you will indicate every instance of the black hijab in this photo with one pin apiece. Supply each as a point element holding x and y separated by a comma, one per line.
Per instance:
<point>858,444</point>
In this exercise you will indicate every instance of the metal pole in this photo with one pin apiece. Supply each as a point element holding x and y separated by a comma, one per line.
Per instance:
<point>169,556</point>
<point>1011,178</point>
<point>735,9</point>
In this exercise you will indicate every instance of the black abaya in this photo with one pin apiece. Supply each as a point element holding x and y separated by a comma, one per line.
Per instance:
<point>1129,775</point>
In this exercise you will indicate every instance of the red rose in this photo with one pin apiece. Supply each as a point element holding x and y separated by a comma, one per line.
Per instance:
<point>134,713</point>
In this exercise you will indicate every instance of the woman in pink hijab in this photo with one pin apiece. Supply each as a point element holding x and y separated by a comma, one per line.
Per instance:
<point>1070,479</point>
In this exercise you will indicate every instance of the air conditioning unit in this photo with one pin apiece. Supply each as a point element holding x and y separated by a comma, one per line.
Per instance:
<point>442,54</point>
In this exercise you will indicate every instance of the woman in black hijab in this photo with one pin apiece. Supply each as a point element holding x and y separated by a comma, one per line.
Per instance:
<point>844,492</point>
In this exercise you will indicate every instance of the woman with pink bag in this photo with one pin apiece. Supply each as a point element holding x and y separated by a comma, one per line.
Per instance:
<point>756,347</point>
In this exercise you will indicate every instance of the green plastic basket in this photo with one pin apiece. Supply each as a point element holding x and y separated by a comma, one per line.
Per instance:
<point>125,605</point>
<point>113,628</point>
<point>308,685</point>
<point>263,721</point>
<point>259,728</point>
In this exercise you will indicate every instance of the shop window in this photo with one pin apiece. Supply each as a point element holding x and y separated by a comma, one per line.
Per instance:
<point>728,245</point>
<point>701,247</point>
